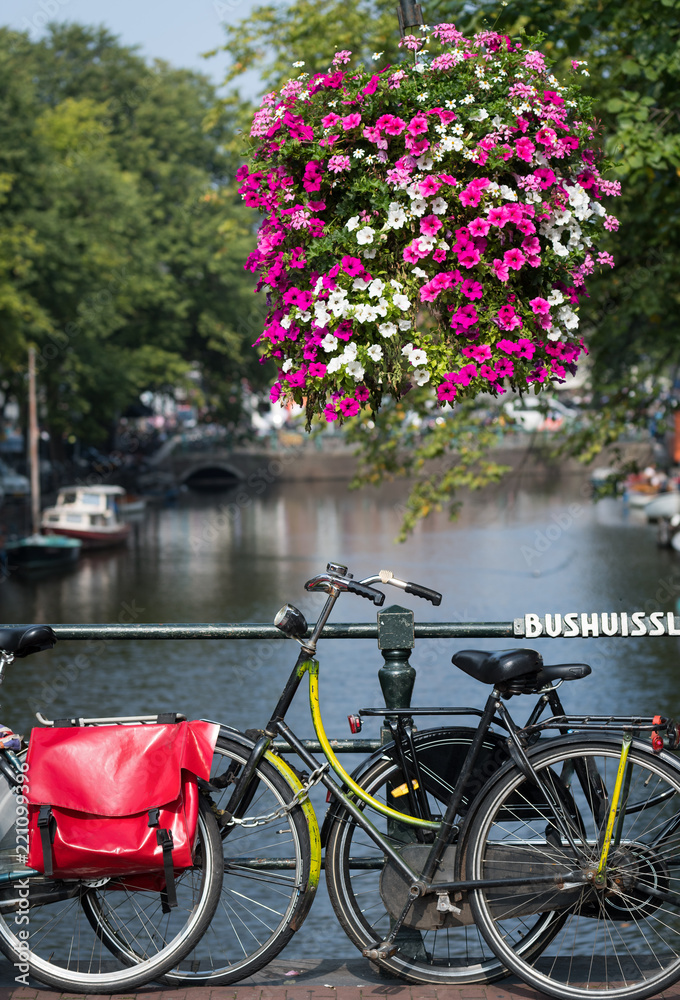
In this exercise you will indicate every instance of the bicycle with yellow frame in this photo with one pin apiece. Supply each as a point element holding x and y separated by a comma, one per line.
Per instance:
<point>555,857</point>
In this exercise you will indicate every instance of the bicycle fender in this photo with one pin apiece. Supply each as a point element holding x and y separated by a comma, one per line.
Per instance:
<point>291,778</point>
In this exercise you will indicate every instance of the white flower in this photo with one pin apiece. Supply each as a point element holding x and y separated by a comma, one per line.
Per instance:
<point>304,317</point>
<point>329,343</point>
<point>439,206</point>
<point>298,65</point>
<point>452,144</point>
<point>421,376</point>
<point>425,162</point>
<point>360,284</point>
<point>287,365</point>
<point>376,288</point>
<point>365,235</point>
<point>407,348</point>
<point>352,223</point>
<point>405,324</point>
<point>381,307</point>
<point>450,105</point>
<point>387,329</point>
<point>598,208</point>
<point>560,248</point>
<point>376,56</point>
<point>370,254</point>
<point>484,85</point>
<point>417,357</point>
<point>556,297</point>
<point>334,365</point>
<point>375,352</point>
<point>396,285</point>
<point>555,333</point>
<point>418,206</point>
<point>508,193</point>
<point>568,317</point>
<point>401,302</point>
<point>285,322</point>
<point>396,217</point>
<point>358,154</point>
<point>468,99</point>
<point>349,353</point>
<point>419,273</point>
<point>497,122</point>
<point>365,313</point>
<point>356,370</point>
<point>479,116</point>
<point>424,96</point>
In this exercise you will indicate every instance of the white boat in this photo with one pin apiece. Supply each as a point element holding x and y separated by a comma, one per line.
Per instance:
<point>131,506</point>
<point>663,505</point>
<point>89,513</point>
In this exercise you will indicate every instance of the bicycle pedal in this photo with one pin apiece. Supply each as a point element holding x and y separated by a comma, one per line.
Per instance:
<point>383,951</point>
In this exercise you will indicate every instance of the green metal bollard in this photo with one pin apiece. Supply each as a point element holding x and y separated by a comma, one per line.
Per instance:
<point>396,639</point>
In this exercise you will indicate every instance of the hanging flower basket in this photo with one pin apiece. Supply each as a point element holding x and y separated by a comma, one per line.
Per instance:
<point>432,223</point>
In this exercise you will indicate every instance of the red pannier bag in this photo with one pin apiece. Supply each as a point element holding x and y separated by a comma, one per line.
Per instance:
<point>116,800</point>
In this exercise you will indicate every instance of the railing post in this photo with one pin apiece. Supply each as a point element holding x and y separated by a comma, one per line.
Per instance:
<point>396,639</point>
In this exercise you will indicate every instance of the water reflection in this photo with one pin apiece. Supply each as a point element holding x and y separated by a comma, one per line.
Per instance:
<point>213,558</point>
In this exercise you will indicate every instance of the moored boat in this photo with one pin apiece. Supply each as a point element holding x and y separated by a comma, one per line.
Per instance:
<point>42,553</point>
<point>88,513</point>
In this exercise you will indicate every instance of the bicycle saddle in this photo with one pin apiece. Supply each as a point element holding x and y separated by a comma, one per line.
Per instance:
<point>24,640</point>
<point>507,664</point>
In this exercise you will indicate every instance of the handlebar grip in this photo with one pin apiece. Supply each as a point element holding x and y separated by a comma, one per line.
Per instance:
<point>424,592</point>
<point>362,590</point>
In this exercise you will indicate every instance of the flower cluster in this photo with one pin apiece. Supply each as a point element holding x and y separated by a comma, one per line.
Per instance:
<point>433,223</point>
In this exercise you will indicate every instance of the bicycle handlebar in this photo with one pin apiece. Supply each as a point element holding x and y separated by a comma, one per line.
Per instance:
<point>377,596</point>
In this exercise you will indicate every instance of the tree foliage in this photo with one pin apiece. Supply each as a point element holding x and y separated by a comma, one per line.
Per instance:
<point>122,235</point>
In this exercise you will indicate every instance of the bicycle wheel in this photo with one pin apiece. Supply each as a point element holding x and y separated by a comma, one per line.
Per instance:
<point>619,938</point>
<point>367,893</point>
<point>107,935</point>
<point>269,881</point>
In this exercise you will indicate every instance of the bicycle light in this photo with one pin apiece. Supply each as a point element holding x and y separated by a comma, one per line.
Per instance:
<point>291,622</point>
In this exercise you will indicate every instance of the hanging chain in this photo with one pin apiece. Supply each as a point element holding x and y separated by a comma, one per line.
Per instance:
<point>301,794</point>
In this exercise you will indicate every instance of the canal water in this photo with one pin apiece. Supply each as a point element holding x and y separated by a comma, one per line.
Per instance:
<point>226,557</point>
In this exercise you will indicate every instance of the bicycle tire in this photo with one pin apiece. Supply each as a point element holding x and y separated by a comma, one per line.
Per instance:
<point>259,908</point>
<point>114,937</point>
<point>366,905</point>
<point>620,939</point>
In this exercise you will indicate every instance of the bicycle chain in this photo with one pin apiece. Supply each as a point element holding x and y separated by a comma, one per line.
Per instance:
<point>301,794</point>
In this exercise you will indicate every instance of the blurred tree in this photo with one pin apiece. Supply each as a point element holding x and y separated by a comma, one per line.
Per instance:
<point>122,235</point>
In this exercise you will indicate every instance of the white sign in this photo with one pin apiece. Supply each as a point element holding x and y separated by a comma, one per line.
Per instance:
<point>586,624</point>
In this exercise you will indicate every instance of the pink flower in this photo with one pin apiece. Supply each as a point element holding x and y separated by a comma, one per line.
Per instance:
<point>362,393</point>
<point>508,318</point>
<point>480,352</point>
<point>471,289</point>
<point>446,392</point>
<point>428,187</point>
<point>330,120</point>
<point>498,216</point>
<point>463,377</point>
<point>430,225</point>
<point>500,270</point>
<point>312,176</point>
<point>504,367</point>
<point>417,125</point>
<point>352,266</point>
<point>605,258</point>
<point>351,121</point>
<point>490,374</point>
<point>541,307</point>
<point>546,136</point>
<point>470,196</point>
<point>535,61</point>
<point>546,177</point>
<point>317,370</point>
<point>395,125</point>
<point>296,379</point>
<point>416,146</point>
<point>479,227</point>
<point>439,255</point>
<point>350,406</point>
<point>531,245</point>
<point>466,317</point>
<point>338,163</point>
<point>525,149</point>
<point>526,349</point>
<point>611,223</point>
<point>469,258</point>
<point>330,413</point>
<point>341,57</point>
<point>514,259</point>
<point>508,346</point>
<point>275,392</point>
